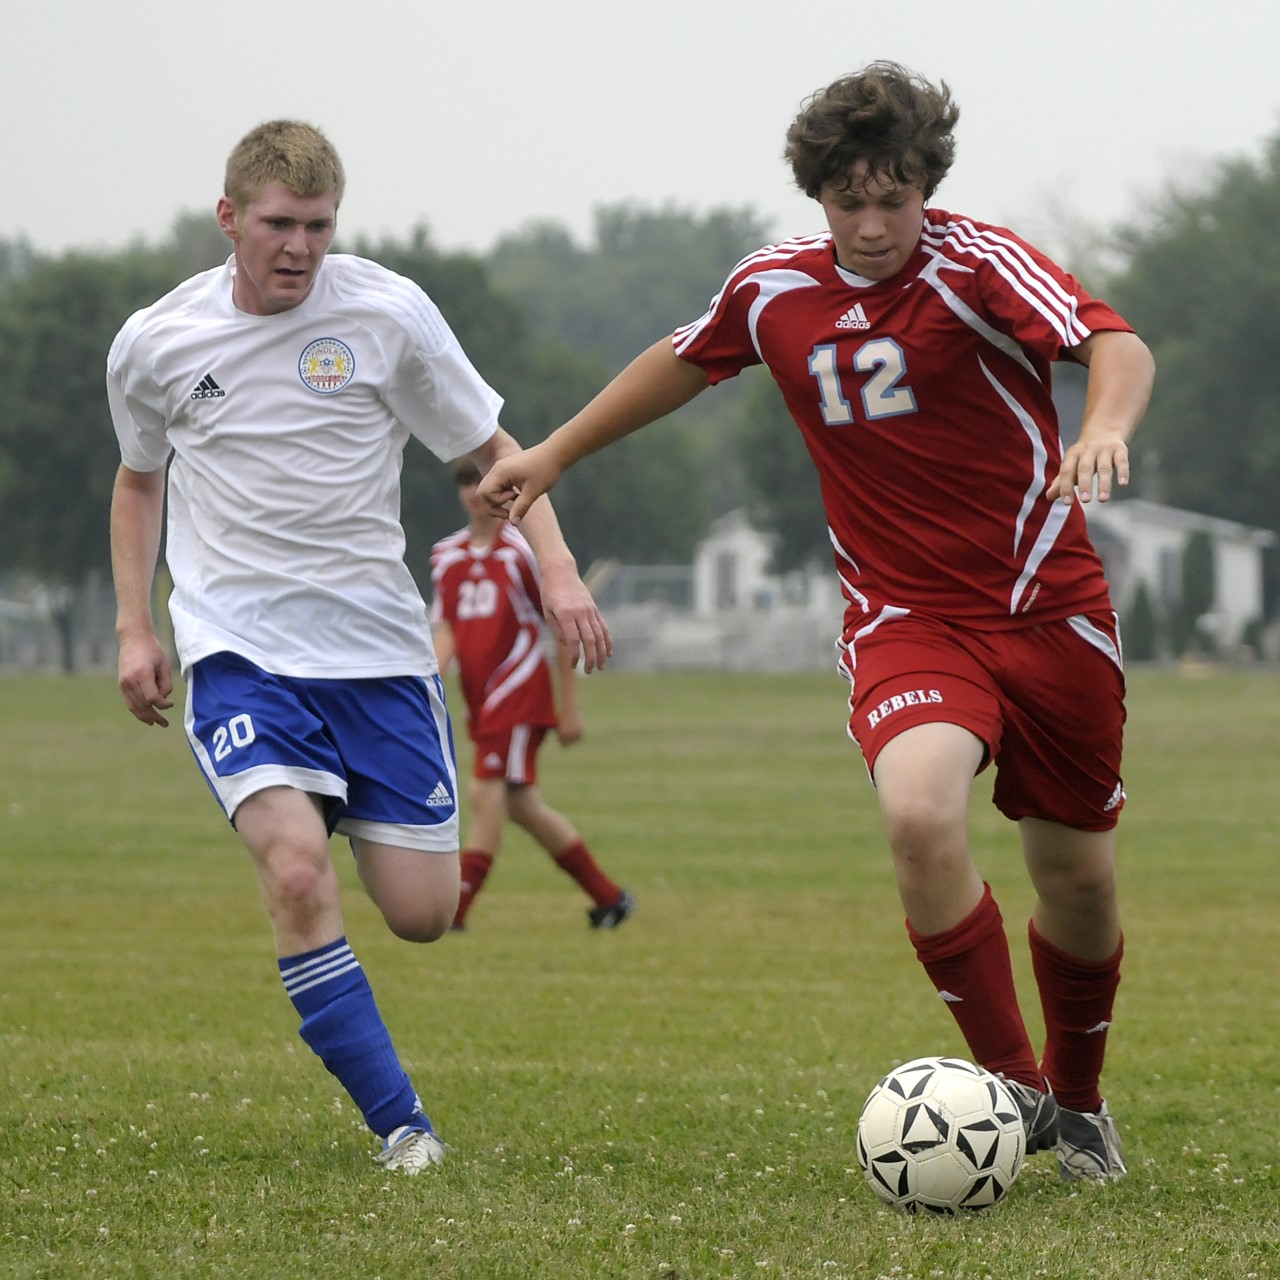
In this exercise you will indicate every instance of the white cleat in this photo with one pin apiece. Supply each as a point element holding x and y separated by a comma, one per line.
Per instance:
<point>410,1149</point>
<point>1088,1146</point>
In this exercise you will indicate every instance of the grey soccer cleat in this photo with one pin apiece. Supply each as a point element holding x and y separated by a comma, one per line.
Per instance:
<point>1040,1114</point>
<point>1088,1146</point>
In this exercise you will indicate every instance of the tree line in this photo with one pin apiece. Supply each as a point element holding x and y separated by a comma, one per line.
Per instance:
<point>547,320</point>
<point>642,501</point>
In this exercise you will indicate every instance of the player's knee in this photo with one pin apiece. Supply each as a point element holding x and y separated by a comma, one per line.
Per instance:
<point>296,884</point>
<point>488,799</point>
<point>1085,890</point>
<point>524,805</point>
<point>419,928</point>
<point>920,826</point>
<point>424,922</point>
<point>423,932</point>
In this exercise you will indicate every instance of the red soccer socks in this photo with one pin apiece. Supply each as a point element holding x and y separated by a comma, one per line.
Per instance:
<point>475,867</point>
<point>970,968</point>
<point>578,862</point>
<point>1077,997</point>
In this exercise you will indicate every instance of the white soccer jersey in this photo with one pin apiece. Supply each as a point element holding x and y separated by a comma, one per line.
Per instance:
<point>287,433</point>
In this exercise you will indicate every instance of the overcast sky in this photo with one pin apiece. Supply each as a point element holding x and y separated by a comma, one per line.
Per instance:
<point>474,118</point>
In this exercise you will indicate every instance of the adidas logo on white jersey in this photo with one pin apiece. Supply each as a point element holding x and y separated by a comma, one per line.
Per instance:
<point>854,318</point>
<point>439,797</point>
<point>207,389</point>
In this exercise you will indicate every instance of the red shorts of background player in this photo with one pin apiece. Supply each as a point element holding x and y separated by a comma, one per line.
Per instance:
<point>1048,702</point>
<point>510,753</point>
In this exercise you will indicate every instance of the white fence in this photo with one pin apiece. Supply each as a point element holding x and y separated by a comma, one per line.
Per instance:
<point>46,628</point>
<point>655,638</point>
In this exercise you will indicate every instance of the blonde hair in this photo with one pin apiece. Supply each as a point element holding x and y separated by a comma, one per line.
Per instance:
<point>286,151</point>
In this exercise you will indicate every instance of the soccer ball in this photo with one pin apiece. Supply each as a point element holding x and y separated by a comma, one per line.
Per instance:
<point>939,1135</point>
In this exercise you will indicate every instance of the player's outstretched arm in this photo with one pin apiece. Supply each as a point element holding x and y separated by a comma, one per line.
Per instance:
<point>1121,374</point>
<point>145,676</point>
<point>654,384</point>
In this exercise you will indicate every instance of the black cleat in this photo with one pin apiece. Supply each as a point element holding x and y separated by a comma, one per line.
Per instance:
<point>612,917</point>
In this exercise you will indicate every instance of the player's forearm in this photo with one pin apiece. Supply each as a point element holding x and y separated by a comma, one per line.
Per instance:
<point>654,384</point>
<point>541,527</point>
<point>1121,375</point>
<point>137,505</point>
<point>442,642</point>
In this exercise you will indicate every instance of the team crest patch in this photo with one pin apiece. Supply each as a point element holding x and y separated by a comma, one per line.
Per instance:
<point>327,365</point>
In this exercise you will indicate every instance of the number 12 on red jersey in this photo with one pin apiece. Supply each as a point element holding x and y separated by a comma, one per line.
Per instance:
<point>883,393</point>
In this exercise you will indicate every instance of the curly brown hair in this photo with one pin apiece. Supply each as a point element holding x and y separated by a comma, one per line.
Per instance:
<point>893,120</point>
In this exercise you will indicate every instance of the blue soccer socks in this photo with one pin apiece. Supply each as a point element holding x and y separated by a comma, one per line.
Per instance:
<point>342,1025</point>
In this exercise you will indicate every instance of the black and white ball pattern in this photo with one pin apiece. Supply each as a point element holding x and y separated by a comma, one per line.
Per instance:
<point>940,1135</point>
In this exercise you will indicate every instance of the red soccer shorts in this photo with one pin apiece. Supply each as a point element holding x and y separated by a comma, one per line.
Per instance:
<point>510,753</point>
<point>1048,702</point>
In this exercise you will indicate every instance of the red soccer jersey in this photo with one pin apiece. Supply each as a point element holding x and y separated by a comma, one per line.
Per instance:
<point>925,404</point>
<point>490,598</point>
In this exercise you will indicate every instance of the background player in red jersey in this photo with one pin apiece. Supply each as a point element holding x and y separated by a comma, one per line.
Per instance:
<point>913,348</point>
<point>487,613</point>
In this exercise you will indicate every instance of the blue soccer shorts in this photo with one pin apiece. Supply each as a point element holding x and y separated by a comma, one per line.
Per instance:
<point>378,753</point>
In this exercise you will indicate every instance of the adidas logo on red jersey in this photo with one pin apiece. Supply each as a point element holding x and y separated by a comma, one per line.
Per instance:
<point>854,318</point>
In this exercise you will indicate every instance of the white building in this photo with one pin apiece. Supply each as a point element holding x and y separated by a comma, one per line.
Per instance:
<point>737,616</point>
<point>728,612</point>
<point>1142,541</point>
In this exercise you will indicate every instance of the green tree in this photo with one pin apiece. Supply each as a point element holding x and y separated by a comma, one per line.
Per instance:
<point>1197,595</point>
<point>1141,630</point>
<point>644,499</point>
<point>1201,285</point>
<point>56,325</point>
<point>196,243</point>
<point>639,501</point>
<point>58,455</point>
<point>781,479</point>
<point>643,272</point>
<point>16,259</point>
<point>646,271</point>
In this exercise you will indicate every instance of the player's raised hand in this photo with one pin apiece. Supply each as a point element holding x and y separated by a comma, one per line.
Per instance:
<point>575,618</point>
<point>1104,462</point>
<point>1121,371</point>
<point>514,482</point>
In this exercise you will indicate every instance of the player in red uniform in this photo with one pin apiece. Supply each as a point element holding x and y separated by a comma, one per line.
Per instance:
<point>913,348</point>
<point>487,612</point>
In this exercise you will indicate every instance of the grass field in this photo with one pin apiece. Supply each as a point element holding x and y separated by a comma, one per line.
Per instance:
<point>674,1101</point>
